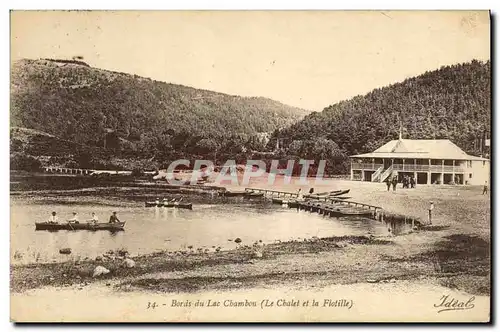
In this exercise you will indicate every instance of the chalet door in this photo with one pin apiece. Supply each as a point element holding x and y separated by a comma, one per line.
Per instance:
<point>387,163</point>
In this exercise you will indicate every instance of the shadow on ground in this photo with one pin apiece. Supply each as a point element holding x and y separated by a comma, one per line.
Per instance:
<point>460,261</point>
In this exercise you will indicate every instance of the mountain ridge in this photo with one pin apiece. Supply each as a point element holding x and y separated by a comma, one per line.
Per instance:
<point>79,103</point>
<point>452,102</point>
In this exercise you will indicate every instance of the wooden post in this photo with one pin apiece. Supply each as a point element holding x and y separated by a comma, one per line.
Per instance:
<point>453,172</point>
<point>352,171</point>
<point>442,171</point>
<point>429,173</point>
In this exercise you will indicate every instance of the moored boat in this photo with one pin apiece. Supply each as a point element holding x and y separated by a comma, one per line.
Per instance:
<point>254,195</point>
<point>234,193</point>
<point>178,205</point>
<point>294,204</point>
<point>47,226</point>
<point>279,201</point>
<point>339,192</point>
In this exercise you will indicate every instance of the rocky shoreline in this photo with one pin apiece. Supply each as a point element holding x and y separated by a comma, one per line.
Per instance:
<point>333,260</point>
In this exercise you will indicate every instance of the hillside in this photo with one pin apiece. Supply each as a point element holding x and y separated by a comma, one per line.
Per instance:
<point>132,115</point>
<point>452,102</point>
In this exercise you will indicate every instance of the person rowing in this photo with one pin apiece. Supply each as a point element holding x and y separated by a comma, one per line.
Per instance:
<point>53,218</point>
<point>177,202</point>
<point>94,219</point>
<point>114,218</point>
<point>74,219</point>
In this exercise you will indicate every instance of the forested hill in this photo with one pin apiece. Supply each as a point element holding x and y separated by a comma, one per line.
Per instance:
<point>78,103</point>
<point>450,103</point>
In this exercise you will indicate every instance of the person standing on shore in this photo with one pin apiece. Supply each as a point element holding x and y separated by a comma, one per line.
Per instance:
<point>394,183</point>
<point>412,182</point>
<point>388,183</point>
<point>431,207</point>
<point>485,188</point>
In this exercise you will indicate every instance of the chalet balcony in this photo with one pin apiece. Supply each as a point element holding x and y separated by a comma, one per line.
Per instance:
<point>366,166</point>
<point>411,168</point>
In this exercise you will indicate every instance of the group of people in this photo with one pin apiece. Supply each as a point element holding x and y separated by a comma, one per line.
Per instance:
<point>53,219</point>
<point>408,182</point>
<point>300,195</point>
<point>164,201</point>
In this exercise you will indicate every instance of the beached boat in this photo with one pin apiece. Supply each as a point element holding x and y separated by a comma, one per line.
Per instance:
<point>47,226</point>
<point>178,205</point>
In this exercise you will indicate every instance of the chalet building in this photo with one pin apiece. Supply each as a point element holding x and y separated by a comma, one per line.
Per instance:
<point>428,161</point>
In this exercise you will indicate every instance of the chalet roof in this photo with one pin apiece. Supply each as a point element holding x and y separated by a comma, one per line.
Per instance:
<point>420,149</point>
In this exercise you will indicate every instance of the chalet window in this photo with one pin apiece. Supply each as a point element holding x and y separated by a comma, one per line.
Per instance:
<point>470,175</point>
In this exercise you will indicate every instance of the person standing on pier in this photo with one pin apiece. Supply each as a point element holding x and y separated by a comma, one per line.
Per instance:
<point>485,188</point>
<point>299,194</point>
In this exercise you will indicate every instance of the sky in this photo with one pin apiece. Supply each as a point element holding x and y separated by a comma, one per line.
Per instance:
<point>308,59</point>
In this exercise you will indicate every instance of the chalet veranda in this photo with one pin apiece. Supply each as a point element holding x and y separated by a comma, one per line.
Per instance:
<point>436,161</point>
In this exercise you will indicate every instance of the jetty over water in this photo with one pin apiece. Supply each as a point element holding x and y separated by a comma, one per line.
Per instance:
<point>336,207</point>
<point>271,193</point>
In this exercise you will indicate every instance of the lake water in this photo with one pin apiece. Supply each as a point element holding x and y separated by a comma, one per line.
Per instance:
<point>153,229</point>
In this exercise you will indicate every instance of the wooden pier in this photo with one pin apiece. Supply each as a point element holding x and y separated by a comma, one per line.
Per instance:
<point>272,193</point>
<point>83,171</point>
<point>335,207</point>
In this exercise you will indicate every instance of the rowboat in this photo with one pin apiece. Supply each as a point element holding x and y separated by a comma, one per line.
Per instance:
<point>339,192</point>
<point>178,205</point>
<point>279,201</point>
<point>348,213</point>
<point>254,195</point>
<point>234,193</point>
<point>333,193</point>
<point>342,197</point>
<point>294,204</point>
<point>47,226</point>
